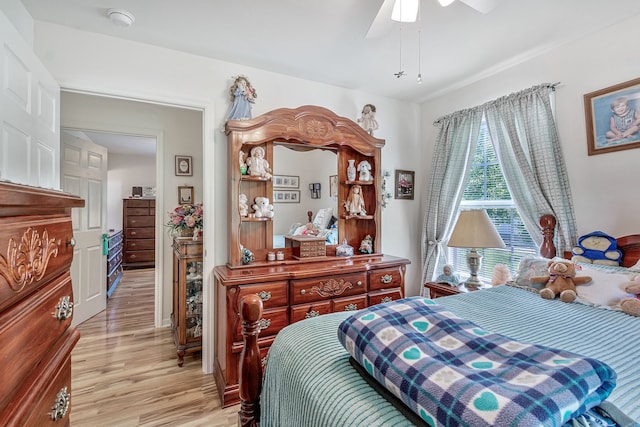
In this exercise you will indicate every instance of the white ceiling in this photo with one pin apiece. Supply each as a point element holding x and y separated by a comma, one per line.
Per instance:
<point>326,40</point>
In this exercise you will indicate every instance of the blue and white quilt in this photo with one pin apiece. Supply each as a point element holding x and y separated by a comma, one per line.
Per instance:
<point>450,371</point>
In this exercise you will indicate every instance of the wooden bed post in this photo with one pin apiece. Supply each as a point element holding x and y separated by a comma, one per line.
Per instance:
<point>250,362</point>
<point>548,224</point>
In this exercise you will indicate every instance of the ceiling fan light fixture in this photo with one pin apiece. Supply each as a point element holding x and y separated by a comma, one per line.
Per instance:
<point>121,17</point>
<point>405,10</point>
<point>445,3</point>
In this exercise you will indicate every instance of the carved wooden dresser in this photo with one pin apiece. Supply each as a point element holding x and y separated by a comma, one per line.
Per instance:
<point>36,305</point>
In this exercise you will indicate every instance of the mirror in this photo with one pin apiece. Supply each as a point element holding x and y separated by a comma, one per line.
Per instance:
<point>309,167</point>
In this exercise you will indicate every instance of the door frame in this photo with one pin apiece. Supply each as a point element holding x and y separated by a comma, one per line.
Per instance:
<point>207,107</point>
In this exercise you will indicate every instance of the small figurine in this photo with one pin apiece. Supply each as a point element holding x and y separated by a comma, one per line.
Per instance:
<point>355,202</point>
<point>448,276</point>
<point>368,120</point>
<point>258,165</point>
<point>243,207</point>
<point>364,167</point>
<point>366,246</point>
<point>242,95</point>
<point>243,165</point>
<point>247,256</point>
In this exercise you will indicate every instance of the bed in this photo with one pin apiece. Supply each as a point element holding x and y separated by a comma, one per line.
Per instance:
<point>311,380</point>
<point>324,225</point>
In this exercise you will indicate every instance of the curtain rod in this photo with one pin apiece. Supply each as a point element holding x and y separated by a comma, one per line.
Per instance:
<point>551,86</point>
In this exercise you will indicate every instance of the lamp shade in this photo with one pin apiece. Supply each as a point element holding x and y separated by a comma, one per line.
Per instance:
<point>474,229</point>
<point>405,10</point>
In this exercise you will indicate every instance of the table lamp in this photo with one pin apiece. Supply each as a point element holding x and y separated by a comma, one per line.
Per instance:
<point>475,230</point>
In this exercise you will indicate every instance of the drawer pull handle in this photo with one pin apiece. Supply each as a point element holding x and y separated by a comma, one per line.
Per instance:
<point>133,233</point>
<point>264,295</point>
<point>311,314</point>
<point>386,299</point>
<point>64,309</point>
<point>351,307</point>
<point>133,255</point>
<point>387,278</point>
<point>133,245</point>
<point>302,292</point>
<point>264,324</point>
<point>61,406</point>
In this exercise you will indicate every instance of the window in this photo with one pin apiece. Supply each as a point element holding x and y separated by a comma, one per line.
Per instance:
<point>487,189</point>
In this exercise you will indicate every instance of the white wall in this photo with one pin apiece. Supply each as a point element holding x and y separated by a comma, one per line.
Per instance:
<point>603,186</point>
<point>124,172</point>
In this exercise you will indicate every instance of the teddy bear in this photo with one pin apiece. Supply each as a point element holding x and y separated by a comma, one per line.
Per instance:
<point>561,280</point>
<point>262,208</point>
<point>632,305</point>
<point>597,248</point>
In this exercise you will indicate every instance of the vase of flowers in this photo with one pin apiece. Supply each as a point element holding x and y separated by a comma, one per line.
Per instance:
<point>186,220</point>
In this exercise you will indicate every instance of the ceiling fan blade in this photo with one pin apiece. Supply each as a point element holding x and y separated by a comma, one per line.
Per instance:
<point>382,23</point>
<point>482,6</point>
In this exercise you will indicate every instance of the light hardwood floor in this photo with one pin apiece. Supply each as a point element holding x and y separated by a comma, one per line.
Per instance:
<point>124,371</point>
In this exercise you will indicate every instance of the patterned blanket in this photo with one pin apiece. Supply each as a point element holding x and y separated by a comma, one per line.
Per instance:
<point>451,372</point>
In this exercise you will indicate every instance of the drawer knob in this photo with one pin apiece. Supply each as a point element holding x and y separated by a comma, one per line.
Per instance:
<point>264,324</point>
<point>359,283</point>
<point>64,309</point>
<point>386,299</point>
<point>264,295</point>
<point>61,406</point>
<point>302,292</point>
<point>387,278</point>
<point>312,313</point>
<point>71,242</point>
<point>351,307</point>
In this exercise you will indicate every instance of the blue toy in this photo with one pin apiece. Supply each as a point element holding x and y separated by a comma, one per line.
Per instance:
<point>597,248</point>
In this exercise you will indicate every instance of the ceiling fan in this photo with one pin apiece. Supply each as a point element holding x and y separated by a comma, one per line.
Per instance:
<point>383,22</point>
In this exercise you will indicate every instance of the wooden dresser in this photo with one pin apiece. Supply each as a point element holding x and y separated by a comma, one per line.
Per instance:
<point>139,230</point>
<point>114,261</point>
<point>293,291</point>
<point>36,305</point>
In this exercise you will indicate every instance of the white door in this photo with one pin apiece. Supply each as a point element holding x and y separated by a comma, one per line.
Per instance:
<point>84,173</point>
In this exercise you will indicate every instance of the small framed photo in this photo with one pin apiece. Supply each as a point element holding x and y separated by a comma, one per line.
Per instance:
<point>184,166</point>
<point>286,196</point>
<point>613,118</point>
<point>286,181</point>
<point>333,186</point>
<point>404,184</point>
<point>185,195</point>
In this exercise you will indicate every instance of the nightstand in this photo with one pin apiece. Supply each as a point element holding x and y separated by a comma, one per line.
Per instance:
<point>437,290</point>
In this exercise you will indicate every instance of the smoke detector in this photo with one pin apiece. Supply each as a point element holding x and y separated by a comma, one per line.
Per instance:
<point>121,17</point>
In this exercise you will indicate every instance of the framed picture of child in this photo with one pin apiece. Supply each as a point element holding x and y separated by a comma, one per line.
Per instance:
<point>613,118</point>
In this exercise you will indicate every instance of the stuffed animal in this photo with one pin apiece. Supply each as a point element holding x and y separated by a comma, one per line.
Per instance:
<point>597,248</point>
<point>561,280</point>
<point>632,305</point>
<point>262,208</point>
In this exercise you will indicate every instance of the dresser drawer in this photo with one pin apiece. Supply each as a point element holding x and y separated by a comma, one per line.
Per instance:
<point>308,290</point>
<point>273,294</point>
<point>306,311</point>
<point>270,323</point>
<point>384,296</point>
<point>386,278</point>
<point>349,303</point>
<point>139,203</point>
<point>139,256</point>
<point>141,233</point>
<point>140,244</point>
<point>140,221</point>
<point>38,330</point>
<point>32,254</point>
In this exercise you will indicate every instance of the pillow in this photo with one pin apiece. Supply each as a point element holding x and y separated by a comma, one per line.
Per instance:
<point>321,221</point>
<point>530,267</point>
<point>605,290</point>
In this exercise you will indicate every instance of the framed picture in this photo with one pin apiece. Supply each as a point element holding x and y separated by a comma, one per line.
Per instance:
<point>286,196</point>
<point>404,184</point>
<point>333,186</point>
<point>185,195</point>
<point>286,181</point>
<point>184,166</point>
<point>613,118</point>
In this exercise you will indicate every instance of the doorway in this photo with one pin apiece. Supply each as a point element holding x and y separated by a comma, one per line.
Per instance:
<point>128,125</point>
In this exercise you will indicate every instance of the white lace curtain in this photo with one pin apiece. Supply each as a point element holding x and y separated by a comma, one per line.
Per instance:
<point>523,131</point>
